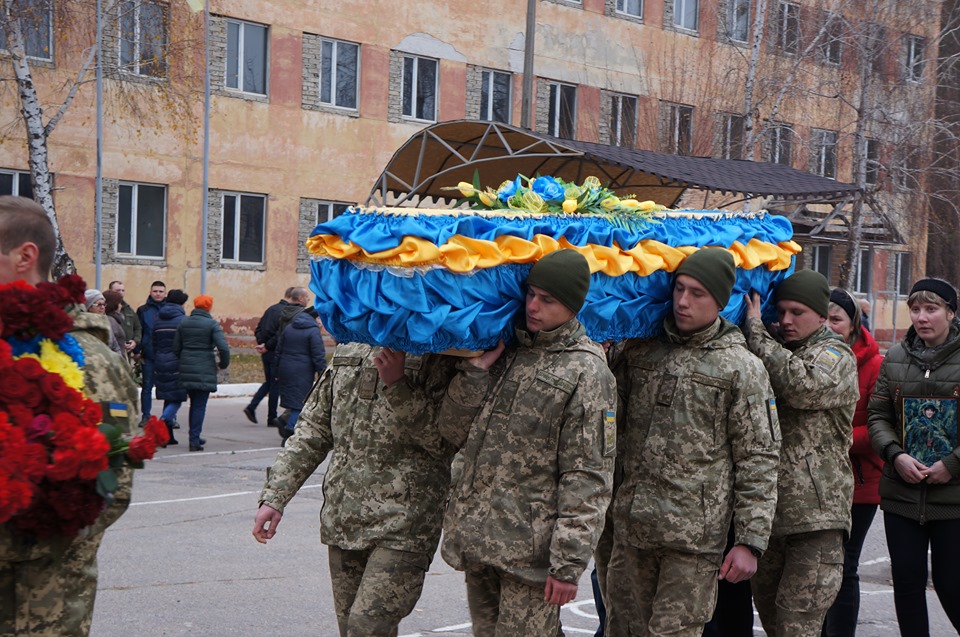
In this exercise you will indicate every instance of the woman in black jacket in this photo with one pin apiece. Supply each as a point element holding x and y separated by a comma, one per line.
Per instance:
<point>921,500</point>
<point>300,358</point>
<point>166,365</point>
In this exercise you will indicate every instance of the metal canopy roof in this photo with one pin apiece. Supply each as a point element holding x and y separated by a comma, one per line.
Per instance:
<point>449,152</point>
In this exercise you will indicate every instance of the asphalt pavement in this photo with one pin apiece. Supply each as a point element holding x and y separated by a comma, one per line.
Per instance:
<point>182,560</point>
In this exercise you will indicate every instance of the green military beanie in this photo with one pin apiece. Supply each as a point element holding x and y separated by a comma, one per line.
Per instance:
<point>714,269</point>
<point>807,287</point>
<point>565,274</point>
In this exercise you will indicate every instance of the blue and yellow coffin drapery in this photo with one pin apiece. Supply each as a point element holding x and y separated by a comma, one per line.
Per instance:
<point>431,280</point>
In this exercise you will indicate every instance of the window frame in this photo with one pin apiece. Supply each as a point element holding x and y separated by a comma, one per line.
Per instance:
<point>331,209</point>
<point>235,260</point>
<point>624,11</point>
<point>19,179</point>
<point>788,15</point>
<point>334,65</point>
<point>902,276</point>
<point>732,32</point>
<point>241,51</point>
<point>831,48</point>
<point>679,17</point>
<point>864,281</point>
<point>727,142</point>
<point>134,216</point>
<point>488,84</point>
<point>675,131</point>
<point>781,146</point>
<point>915,59</point>
<point>818,254</point>
<point>414,94</point>
<point>555,113</point>
<point>824,153</point>
<point>134,67</point>
<point>617,119</point>
<point>48,12</point>
<point>871,161</point>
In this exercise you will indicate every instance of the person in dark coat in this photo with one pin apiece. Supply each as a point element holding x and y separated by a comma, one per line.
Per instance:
<point>301,356</point>
<point>266,335</point>
<point>147,313</point>
<point>196,338</point>
<point>166,365</point>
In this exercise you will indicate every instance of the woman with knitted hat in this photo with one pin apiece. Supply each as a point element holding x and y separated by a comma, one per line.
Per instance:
<point>845,318</point>
<point>197,337</point>
<point>95,303</point>
<point>921,499</point>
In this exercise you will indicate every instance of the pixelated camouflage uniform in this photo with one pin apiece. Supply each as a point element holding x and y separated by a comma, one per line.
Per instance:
<point>384,487</point>
<point>56,580</point>
<point>815,380</point>
<point>699,446</point>
<point>538,432</point>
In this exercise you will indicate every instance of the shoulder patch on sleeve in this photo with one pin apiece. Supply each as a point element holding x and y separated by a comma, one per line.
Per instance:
<point>609,432</point>
<point>828,359</point>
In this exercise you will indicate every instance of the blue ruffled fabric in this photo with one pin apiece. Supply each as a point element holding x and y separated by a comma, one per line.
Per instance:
<point>374,231</point>
<point>434,310</point>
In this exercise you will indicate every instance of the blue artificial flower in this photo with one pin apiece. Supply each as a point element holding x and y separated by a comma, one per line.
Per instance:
<point>548,188</point>
<point>69,346</point>
<point>508,189</point>
<point>20,348</point>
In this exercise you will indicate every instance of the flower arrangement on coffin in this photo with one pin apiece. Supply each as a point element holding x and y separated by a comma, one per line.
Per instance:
<point>58,460</point>
<point>422,280</point>
<point>553,195</point>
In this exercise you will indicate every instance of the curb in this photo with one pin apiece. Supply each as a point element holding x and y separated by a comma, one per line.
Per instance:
<point>229,390</point>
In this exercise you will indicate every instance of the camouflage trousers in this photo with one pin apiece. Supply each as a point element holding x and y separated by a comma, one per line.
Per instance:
<point>52,593</point>
<point>374,589</point>
<point>797,580</point>
<point>502,606</point>
<point>658,592</point>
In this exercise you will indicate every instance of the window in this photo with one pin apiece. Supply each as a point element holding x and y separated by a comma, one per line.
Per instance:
<point>732,136</point>
<point>328,210</point>
<point>831,44</point>
<point>906,167</point>
<point>623,120</point>
<point>419,93</point>
<point>563,108</point>
<point>36,19</point>
<point>738,22</point>
<point>243,228</point>
<point>495,96</point>
<point>686,14</point>
<point>871,157</point>
<point>141,214</point>
<point>630,7</point>
<point>339,73</point>
<point>864,271</point>
<point>247,57</point>
<point>903,273</point>
<point>820,260</point>
<point>788,28</point>
<point>15,183</point>
<point>914,61</point>
<point>780,143</point>
<point>679,129</point>
<point>824,153</point>
<point>143,38</point>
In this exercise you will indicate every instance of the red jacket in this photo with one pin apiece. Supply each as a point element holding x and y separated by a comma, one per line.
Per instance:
<point>867,465</point>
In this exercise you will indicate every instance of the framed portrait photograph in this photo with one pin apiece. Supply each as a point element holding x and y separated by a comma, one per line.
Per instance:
<point>929,428</point>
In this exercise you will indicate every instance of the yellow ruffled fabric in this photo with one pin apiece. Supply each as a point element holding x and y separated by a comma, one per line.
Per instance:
<point>464,254</point>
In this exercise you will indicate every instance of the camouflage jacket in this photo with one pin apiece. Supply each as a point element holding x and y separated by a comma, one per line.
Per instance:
<point>539,436</point>
<point>390,469</point>
<point>699,443</point>
<point>107,381</point>
<point>817,388</point>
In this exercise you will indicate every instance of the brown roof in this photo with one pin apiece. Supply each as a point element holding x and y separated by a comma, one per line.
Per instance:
<point>449,152</point>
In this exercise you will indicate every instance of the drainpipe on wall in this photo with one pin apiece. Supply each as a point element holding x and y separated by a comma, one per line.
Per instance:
<point>528,49</point>
<point>206,146</point>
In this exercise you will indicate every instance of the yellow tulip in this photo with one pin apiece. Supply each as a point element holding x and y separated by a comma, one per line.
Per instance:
<point>629,203</point>
<point>569,206</point>
<point>466,189</point>
<point>610,203</point>
<point>648,206</point>
<point>487,198</point>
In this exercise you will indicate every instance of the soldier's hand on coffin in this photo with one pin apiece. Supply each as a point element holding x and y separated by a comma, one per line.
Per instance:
<point>753,304</point>
<point>390,365</point>
<point>488,358</point>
